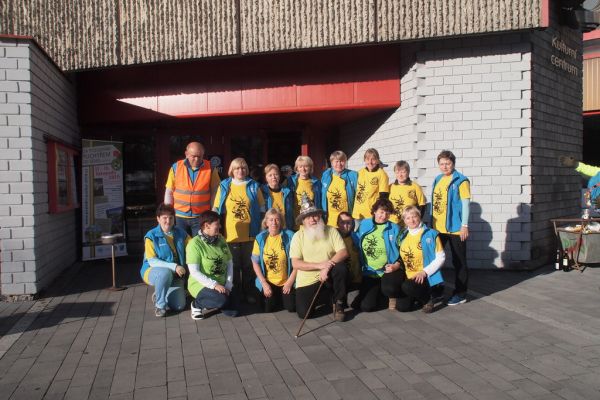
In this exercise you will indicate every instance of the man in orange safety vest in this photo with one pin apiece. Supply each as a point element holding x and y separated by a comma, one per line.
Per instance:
<point>190,187</point>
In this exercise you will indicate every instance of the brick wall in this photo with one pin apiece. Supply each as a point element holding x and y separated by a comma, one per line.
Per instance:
<point>37,101</point>
<point>471,96</point>
<point>558,124</point>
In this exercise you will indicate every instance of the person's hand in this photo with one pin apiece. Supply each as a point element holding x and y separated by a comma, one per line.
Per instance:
<point>420,277</point>
<point>567,161</point>
<point>267,291</point>
<point>221,289</point>
<point>326,265</point>
<point>287,287</point>
<point>180,271</point>
<point>324,274</point>
<point>464,233</point>
<point>391,268</point>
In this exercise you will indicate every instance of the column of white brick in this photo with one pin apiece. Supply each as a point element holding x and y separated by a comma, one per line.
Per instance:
<point>16,166</point>
<point>478,107</point>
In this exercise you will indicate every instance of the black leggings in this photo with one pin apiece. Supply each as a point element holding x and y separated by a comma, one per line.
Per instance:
<point>278,299</point>
<point>458,248</point>
<point>412,291</point>
<point>334,289</point>
<point>374,292</point>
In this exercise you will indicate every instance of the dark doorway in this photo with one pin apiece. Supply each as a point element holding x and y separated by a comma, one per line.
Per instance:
<point>284,147</point>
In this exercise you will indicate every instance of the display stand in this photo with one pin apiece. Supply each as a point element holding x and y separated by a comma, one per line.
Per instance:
<point>112,240</point>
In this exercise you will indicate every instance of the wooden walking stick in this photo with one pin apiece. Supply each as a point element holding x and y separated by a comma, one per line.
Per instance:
<point>309,309</point>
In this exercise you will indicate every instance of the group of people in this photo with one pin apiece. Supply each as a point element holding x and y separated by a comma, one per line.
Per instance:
<point>306,242</point>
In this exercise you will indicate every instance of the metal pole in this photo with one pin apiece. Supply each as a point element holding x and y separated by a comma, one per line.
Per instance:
<point>309,309</point>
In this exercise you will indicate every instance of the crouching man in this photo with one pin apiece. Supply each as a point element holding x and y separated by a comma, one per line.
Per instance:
<point>317,252</point>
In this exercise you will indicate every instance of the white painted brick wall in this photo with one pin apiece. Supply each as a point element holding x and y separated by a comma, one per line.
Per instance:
<point>36,102</point>
<point>476,102</point>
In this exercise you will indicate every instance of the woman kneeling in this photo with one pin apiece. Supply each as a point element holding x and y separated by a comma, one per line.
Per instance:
<point>272,264</point>
<point>382,276</point>
<point>164,260</point>
<point>211,269</point>
<point>422,255</point>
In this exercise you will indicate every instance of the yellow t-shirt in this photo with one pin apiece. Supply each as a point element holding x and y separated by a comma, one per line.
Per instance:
<point>353,260</point>
<point>274,258</point>
<point>304,187</point>
<point>412,254</point>
<point>277,201</point>
<point>314,251</point>
<point>215,180</point>
<point>403,196</point>
<point>337,199</point>
<point>368,187</point>
<point>150,252</point>
<point>237,214</point>
<point>440,202</point>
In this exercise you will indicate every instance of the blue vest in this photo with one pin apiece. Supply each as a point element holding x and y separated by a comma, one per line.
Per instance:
<point>161,246</point>
<point>252,188</point>
<point>454,207</point>
<point>594,191</point>
<point>261,239</point>
<point>292,183</point>
<point>390,238</point>
<point>350,177</point>
<point>288,203</point>
<point>428,247</point>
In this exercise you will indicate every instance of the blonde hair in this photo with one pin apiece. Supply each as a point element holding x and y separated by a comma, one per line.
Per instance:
<point>304,160</point>
<point>338,155</point>
<point>402,165</point>
<point>235,163</point>
<point>270,212</point>
<point>411,210</point>
<point>372,152</point>
<point>270,167</point>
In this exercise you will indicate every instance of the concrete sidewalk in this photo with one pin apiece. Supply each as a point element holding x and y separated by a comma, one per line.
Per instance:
<point>521,336</point>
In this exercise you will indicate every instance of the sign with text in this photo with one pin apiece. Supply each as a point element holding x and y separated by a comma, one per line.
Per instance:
<point>102,197</point>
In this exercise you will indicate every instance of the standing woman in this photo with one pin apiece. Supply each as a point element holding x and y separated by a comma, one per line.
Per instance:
<point>303,183</point>
<point>164,260</point>
<point>404,192</point>
<point>278,197</point>
<point>450,202</point>
<point>373,183</point>
<point>422,255</point>
<point>338,188</point>
<point>272,264</point>
<point>378,243</point>
<point>240,200</point>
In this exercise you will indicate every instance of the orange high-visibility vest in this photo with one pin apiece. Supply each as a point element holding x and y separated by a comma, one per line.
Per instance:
<point>192,198</point>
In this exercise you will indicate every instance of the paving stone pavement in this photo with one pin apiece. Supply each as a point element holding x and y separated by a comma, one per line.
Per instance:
<point>522,335</point>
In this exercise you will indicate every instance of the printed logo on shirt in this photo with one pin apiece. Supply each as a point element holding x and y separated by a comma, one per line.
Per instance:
<point>272,261</point>
<point>409,259</point>
<point>360,193</point>
<point>336,199</point>
<point>218,267</point>
<point>370,248</point>
<point>240,210</point>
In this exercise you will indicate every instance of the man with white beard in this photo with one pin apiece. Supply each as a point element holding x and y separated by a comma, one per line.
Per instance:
<point>317,252</point>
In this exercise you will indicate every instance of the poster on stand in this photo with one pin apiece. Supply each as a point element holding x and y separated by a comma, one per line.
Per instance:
<point>102,197</point>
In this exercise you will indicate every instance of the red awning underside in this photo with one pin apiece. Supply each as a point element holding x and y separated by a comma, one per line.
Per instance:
<point>366,78</point>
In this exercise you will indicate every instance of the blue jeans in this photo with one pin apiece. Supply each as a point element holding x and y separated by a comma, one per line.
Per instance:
<point>190,225</point>
<point>169,290</point>
<point>210,298</point>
